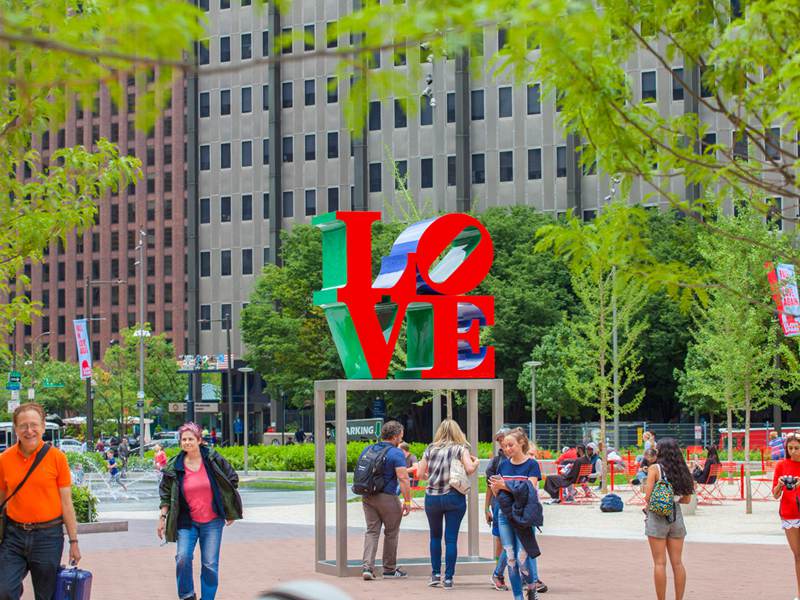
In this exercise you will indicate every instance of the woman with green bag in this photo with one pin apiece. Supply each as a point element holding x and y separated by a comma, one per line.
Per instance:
<point>669,484</point>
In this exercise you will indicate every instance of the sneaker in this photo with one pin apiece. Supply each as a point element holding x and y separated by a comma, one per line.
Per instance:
<point>553,501</point>
<point>540,586</point>
<point>533,594</point>
<point>367,575</point>
<point>436,581</point>
<point>499,583</point>
<point>396,574</point>
<point>448,584</point>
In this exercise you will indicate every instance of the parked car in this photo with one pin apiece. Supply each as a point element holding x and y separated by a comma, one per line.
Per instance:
<point>71,445</point>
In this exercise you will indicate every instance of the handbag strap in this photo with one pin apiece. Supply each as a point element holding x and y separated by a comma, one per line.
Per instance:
<point>39,457</point>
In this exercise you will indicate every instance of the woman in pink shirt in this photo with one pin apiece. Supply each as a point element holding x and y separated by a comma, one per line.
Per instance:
<point>198,497</point>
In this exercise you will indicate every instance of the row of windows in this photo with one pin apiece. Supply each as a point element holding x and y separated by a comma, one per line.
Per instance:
<point>287,97</point>
<point>225,314</point>
<point>61,297</point>
<point>246,205</point>
<point>225,262</point>
<point>287,151</point>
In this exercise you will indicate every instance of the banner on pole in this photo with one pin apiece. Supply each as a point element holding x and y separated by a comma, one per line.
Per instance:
<point>84,348</point>
<point>784,292</point>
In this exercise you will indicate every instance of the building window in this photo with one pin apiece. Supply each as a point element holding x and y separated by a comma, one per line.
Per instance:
<point>247,99</point>
<point>504,102</point>
<point>502,38</point>
<point>223,4</point>
<point>247,207</point>
<point>247,46</point>
<point>589,215</point>
<point>426,172</point>
<point>333,144</point>
<point>205,211</point>
<point>225,155</point>
<point>374,116</point>
<point>451,170</point>
<point>311,202</point>
<point>740,149</point>
<point>401,174</point>
<point>225,209</point>
<point>226,315</point>
<point>286,40</point>
<point>333,199</point>
<point>225,49</point>
<point>333,90</point>
<point>773,143</point>
<point>677,88</point>
<point>288,204</point>
<point>425,111</point>
<point>265,152</point>
<point>288,149</point>
<point>309,35</point>
<point>478,168</point>
<point>561,161</point>
<point>375,177</point>
<point>309,92</point>
<point>203,4</point>
<point>247,261</point>
<point>224,102</point>
<point>400,119</point>
<point>311,146</point>
<point>265,43</point>
<point>205,104</point>
<point>535,163</point>
<point>534,100</point>
<point>225,262</point>
<point>205,317</point>
<point>476,105</point>
<point>286,94</point>
<point>451,107</point>
<point>264,97</point>
<point>205,165</point>
<point>705,89</point>
<point>202,50</point>
<point>205,264</point>
<point>775,213</point>
<point>247,153</point>
<point>709,140</point>
<point>265,204</point>
<point>332,41</point>
<point>506,165</point>
<point>649,92</point>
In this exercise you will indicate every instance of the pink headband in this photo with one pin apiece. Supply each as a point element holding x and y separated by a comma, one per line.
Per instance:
<point>192,428</point>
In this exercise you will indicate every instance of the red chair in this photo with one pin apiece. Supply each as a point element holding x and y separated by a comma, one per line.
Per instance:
<point>710,492</point>
<point>637,496</point>
<point>582,484</point>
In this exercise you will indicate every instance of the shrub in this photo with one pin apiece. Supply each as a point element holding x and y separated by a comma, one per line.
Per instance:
<point>85,503</point>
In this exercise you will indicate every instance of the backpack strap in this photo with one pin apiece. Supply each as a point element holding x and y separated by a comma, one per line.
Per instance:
<point>39,457</point>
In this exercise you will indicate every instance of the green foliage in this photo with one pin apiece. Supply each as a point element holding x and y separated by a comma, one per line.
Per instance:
<point>35,370</point>
<point>56,54</point>
<point>85,503</point>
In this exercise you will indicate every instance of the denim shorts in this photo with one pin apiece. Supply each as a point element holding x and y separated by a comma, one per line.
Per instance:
<point>658,526</point>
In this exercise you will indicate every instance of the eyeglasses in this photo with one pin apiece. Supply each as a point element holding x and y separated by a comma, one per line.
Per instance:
<point>29,426</point>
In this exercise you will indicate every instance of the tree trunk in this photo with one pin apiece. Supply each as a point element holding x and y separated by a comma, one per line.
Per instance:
<point>730,433</point>
<point>603,453</point>
<point>748,491</point>
<point>711,430</point>
<point>558,434</point>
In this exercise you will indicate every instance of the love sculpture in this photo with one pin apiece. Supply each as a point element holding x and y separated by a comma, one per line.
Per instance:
<point>423,283</point>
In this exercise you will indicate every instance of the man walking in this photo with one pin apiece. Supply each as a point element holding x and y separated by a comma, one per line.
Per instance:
<point>383,507</point>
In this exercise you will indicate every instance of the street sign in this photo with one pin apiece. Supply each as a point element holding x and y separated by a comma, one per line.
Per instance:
<point>15,376</point>
<point>206,407</point>
<point>698,432</point>
<point>177,407</point>
<point>15,396</point>
<point>13,405</point>
<point>31,394</point>
<point>50,385</point>
<point>13,385</point>
<point>362,429</point>
<point>140,395</point>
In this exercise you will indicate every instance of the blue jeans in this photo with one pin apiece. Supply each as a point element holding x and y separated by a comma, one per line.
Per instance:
<point>38,551</point>
<point>452,507</point>
<point>520,565</point>
<point>210,536</point>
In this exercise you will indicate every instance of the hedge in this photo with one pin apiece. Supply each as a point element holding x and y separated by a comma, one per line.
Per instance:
<point>85,503</point>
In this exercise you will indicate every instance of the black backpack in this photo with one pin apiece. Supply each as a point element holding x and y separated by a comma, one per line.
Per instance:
<point>368,478</point>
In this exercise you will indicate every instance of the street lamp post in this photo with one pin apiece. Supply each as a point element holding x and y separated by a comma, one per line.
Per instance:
<point>32,389</point>
<point>245,370</point>
<point>533,364</point>
<point>142,334</point>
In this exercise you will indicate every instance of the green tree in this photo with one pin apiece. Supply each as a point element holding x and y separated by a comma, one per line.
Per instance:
<point>41,369</point>
<point>56,54</point>
<point>552,394</point>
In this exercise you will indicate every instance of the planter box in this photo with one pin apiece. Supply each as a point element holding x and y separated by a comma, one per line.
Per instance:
<point>103,527</point>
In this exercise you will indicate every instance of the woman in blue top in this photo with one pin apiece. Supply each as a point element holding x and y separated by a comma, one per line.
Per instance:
<point>518,466</point>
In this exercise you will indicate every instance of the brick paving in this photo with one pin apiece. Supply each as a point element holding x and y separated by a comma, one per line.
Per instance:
<point>257,556</point>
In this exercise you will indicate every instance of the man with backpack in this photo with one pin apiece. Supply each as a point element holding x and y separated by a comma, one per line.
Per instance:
<point>379,475</point>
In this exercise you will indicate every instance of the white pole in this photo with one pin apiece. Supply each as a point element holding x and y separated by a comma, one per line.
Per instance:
<point>142,297</point>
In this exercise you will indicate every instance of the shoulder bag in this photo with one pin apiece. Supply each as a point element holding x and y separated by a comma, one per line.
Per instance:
<point>459,481</point>
<point>39,457</point>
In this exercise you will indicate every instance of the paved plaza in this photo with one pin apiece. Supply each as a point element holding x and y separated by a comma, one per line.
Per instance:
<point>586,554</point>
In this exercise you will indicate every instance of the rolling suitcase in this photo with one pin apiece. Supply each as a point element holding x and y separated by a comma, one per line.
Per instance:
<point>73,584</point>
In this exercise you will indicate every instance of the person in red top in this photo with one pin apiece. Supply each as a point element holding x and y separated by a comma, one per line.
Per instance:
<point>785,485</point>
<point>35,516</point>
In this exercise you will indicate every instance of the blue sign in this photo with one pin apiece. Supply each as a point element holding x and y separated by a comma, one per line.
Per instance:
<point>379,408</point>
<point>13,385</point>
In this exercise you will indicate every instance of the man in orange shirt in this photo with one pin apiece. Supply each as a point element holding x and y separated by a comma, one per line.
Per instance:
<point>36,515</point>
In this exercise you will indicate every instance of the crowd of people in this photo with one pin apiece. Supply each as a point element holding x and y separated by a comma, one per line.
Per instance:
<point>199,497</point>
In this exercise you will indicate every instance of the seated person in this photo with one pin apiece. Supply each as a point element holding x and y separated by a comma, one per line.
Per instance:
<point>554,483</point>
<point>648,458</point>
<point>593,454</point>
<point>703,475</point>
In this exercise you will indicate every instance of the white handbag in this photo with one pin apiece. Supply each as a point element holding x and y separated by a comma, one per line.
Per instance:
<point>459,480</point>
